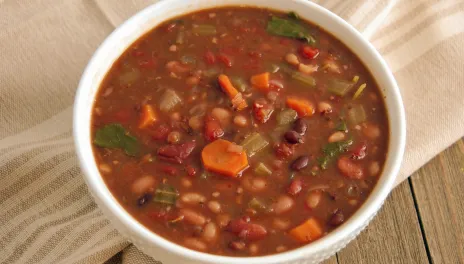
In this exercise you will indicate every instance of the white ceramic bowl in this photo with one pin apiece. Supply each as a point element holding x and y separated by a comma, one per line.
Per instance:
<point>168,252</point>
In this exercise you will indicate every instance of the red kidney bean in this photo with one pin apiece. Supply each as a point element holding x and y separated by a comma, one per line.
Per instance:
<point>300,126</point>
<point>283,150</point>
<point>176,153</point>
<point>246,230</point>
<point>161,132</point>
<point>295,187</point>
<point>213,129</point>
<point>337,218</point>
<point>191,171</point>
<point>293,137</point>
<point>300,163</point>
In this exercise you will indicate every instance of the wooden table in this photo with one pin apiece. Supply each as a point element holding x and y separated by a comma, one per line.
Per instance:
<point>421,222</point>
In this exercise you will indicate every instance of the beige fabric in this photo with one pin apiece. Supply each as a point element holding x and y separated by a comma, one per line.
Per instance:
<point>46,214</point>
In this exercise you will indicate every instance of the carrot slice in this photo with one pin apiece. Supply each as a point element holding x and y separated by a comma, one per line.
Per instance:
<point>235,96</point>
<point>217,157</point>
<point>301,106</point>
<point>148,116</point>
<point>261,81</point>
<point>308,231</point>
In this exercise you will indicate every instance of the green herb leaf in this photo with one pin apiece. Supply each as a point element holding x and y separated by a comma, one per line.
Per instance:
<point>341,126</point>
<point>288,28</point>
<point>332,150</point>
<point>293,15</point>
<point>115,136</point>
<point>166,194</point>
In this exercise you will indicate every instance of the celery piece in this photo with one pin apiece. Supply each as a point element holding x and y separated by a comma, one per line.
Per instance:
<point>254,143</point>
<point>165,194</point>
<point>262,169</point>
<point>286,116</point>
<point>356,115</point>
<point>339,87</point>
<point>204,30</point>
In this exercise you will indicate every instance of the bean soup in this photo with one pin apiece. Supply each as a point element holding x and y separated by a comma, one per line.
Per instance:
<point>240,131</point>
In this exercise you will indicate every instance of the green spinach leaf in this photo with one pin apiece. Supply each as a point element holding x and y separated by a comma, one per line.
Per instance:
<point>115,136</point>
<point>332,150</point>
<point>289,28</point>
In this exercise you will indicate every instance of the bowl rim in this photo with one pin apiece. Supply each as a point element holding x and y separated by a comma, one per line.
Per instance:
<point>362,215</point>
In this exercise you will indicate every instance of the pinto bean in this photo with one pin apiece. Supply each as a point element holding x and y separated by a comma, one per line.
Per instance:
<point>192,198</point>
<point>193,217</point>
<point>195,243</point>
<point>214,206</point>
<point>349,168</point>
<point>210,232</point>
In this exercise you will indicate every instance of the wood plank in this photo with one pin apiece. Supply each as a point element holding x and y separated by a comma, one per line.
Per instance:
<point>394,236</point>
<point>439,192</point>
<point>331,260</point>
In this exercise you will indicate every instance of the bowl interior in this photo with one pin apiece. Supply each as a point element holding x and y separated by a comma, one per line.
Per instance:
<point>150,17</point>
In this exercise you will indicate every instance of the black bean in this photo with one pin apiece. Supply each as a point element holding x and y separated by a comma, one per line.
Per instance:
<point>300,126</point>
<point>300,163</point>
<point>293,137</point>
<point>337,218</point>
<point>143,199</point>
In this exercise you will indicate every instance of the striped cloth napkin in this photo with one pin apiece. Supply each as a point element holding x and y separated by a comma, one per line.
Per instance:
<point>46,213</point>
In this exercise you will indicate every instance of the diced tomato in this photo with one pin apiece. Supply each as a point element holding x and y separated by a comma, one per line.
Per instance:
<point>255,54</point>
<point>213,129</point>
<point>224,59</point>
<point>359,152</point>
<point>309,52</point>
<point>262,110</point>
<point>283,150</point>
<point>169,170</point>
<point>176,153</point>
<point>210,58</point>
<point>295,187</point>
<point>191,171</point>
<point>161,132</point>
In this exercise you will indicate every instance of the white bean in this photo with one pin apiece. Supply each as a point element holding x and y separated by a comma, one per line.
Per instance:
<point>143,184</point>
<point>222,115</point>
<point>313,199</point>
<point>214,206</point>
<point>254,184</point>
<point>192,80</point>
<point>105,168</point>
<point>283,204</point>
<point>210,232</point>
<point>337,136</point>
<point>307,69</point>
<point>192,198</point>
<point>223,220</point>
<point>324,107</point>
<point>371,131</point>
<point>193,217</point>
<point>280,224</point>
<point>292,59</point>
<point>186,182</point>
<point>374,168</point>
<point>196,122</point>
<point>253,249</point>
<point>195,243</point>
<point>240,121</point>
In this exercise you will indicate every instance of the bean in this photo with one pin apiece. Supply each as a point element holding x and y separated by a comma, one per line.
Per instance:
<point>280,224</point>
<point>193,217</point>
<point>144,199</point>
<point>293,137</point>
<point>222,115</point>
<point>216,194</point>
<point>237,245</point>
<point>337,136</point>
<point>173,137</point>
<point>281,248</point>
<point>214,206</point>
<point>186,182</point>
<point>272,96</point>
<point>300,126</point>
<point>192,80</point>
<point>223,220</point>
<point>283,204</point>
<point>143,185</point>
<point>193,198</point>
<point>371,131</point>
<point>307,68</point>
<point>313,199</point>
<point>300,163</point>
<point>337,218</point>
<point>255,184</point>
<point>105,168</point>
<point>173,48</point>
<point>176,116</point>
<point>196,122</point>
<point>374,168</point>
<point>195,243</point>
<point>350,169</point>
<point>253,249</point>
<point>210,232</point>
<point>292,59</point>
<point>324,107</point>
<point>240,121</point>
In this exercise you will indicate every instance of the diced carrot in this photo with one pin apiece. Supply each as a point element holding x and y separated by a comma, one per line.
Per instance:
<point>301,106</point>
<point>261,81</point>
<point>235,96</point>
<point>308,231</point>
<point>217,158</point>
<point>148,116</point>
